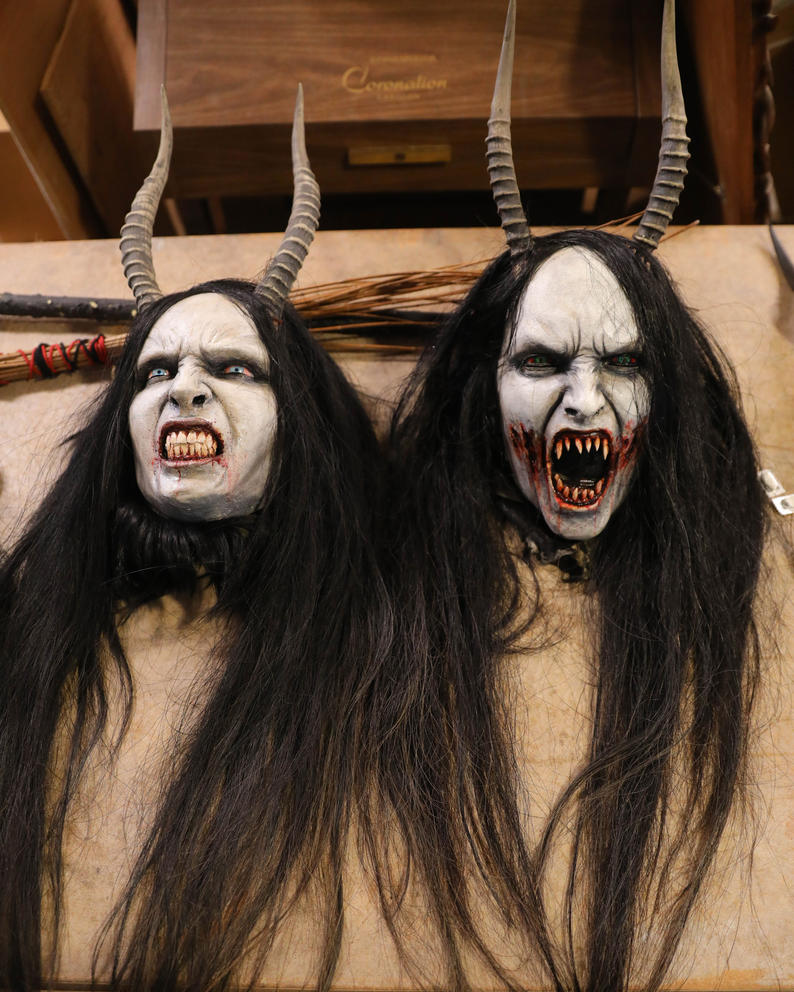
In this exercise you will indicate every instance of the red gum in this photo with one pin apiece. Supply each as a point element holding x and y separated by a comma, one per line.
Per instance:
<point>519,433</point>
<point>181,462</point>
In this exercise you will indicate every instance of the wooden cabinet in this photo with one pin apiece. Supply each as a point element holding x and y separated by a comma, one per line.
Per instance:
<point>398,91</point>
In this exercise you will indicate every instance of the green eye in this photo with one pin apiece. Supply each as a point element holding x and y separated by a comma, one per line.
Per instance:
<point>535,363</point>
<point>241,370</point>
<point>627,361</point>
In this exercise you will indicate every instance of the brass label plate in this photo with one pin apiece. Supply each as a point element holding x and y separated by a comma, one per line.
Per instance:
<point>399,155</point>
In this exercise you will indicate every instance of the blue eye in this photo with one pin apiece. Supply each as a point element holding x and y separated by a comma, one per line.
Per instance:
<point>241,370</point>
<point>157,373</point>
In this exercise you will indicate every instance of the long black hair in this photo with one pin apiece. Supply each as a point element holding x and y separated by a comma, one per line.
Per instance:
<point>260,795</point>
<point>672,579</point>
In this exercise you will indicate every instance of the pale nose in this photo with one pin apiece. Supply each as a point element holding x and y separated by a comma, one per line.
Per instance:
<point>583,398</point>
<point>188,390</point>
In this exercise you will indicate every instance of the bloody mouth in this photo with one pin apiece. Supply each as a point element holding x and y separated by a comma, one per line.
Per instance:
<point>579,466</point>
<point>189,441</point>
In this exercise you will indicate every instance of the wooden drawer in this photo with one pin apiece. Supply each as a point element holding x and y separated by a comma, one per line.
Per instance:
<point>398,91</point>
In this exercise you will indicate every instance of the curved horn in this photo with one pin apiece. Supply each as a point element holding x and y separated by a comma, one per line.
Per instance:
<point>136,234</point>
<point>673,154</point>
<point>304,217</point>
<point>501,170</point>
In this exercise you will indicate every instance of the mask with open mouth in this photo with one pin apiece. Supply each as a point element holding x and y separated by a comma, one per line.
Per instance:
<point>203,420</point>
<point>204,416</point>
<point>572,394</point>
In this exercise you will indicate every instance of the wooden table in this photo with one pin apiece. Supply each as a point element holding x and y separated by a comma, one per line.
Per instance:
<point>730,277</point>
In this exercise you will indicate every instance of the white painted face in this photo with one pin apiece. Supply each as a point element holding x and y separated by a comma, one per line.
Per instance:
<point>203,420</point>
<point>572,395</point>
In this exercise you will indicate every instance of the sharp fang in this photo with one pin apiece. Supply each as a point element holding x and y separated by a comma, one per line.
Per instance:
<point>597,443</point>
<point>191,437</point>
<point>588,443</point>
<point>591,494</point>
<point>558,449</point>
<point>579,445</point>
<point>599,486</point>
<point>567,444</point>
<point>181,437</point>
<point>606,449</point>
<point>566,492</point>
<point>575,494</point>
<point>558,483</point>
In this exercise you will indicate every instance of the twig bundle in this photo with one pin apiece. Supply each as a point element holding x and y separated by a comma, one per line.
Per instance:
<point>344,316</point>
<point>350,315</point>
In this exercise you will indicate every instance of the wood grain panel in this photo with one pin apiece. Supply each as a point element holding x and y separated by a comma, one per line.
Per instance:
<point>150,41</point>
<point>28,33</point>
<point>550,154</point>
<point>238,61</point>
<point>412,72</point>
<point>720,33</point>
<point>646,34</point>
<point>89,90</point>
<point>24,213</point>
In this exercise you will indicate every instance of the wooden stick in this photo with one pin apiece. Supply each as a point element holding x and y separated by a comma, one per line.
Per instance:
<point>67,308</point>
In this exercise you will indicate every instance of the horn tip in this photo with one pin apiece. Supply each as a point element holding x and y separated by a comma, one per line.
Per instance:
<point>298,116</point>
<point>164,108</point>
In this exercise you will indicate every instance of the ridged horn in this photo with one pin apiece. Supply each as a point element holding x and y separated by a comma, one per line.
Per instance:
<point>786,265</point>
<point>673,154</point>
<point>501,170</point>
<point>136,234</point>
<point>304,218</point>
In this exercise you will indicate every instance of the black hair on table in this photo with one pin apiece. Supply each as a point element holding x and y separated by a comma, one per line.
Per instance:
<point>259,804</point>
<point>675,666</point>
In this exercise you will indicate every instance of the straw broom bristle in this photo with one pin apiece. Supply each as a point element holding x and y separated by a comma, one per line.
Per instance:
<point>349,312</point>
<point>347,316</point>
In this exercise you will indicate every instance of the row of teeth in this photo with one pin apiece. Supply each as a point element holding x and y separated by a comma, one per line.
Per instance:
<point>577,495</point>
<point>588,443</point>
<point>193,444</point>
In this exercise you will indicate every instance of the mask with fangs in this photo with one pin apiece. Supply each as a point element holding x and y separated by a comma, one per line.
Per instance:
<point>572,395</point>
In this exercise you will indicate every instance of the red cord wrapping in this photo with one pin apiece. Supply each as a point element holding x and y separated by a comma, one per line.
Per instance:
<point>41,362</point>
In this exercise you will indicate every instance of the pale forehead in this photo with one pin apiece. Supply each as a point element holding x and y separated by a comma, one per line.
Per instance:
<point>575,302</point>
<point>206,322</point>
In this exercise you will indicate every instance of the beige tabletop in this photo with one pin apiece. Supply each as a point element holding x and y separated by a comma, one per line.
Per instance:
<point>743,938</point>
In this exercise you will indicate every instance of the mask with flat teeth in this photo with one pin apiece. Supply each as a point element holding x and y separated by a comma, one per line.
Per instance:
<point>205,357</point>
<point>203,421</point>
<point>178,444</point>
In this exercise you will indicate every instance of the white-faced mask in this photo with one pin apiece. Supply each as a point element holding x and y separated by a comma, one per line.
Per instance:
<point>572,394</point>
<point>203,421</point>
